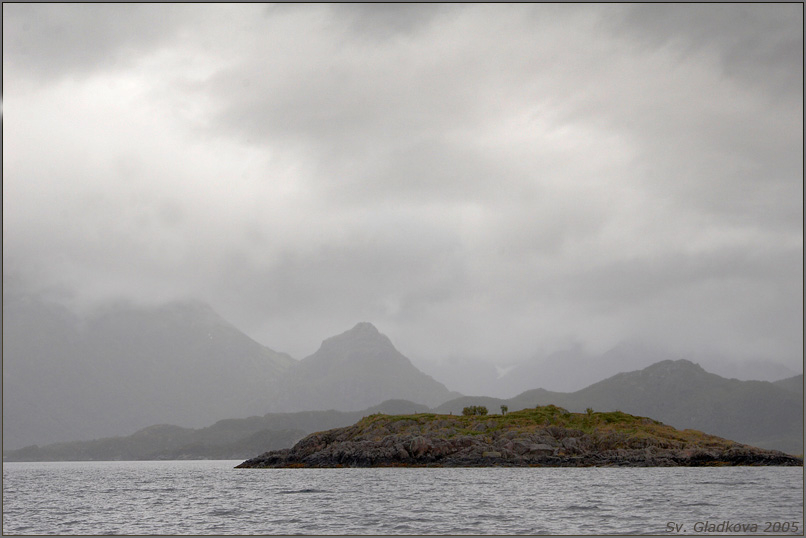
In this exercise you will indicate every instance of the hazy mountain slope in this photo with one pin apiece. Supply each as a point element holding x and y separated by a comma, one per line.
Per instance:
<point>226,439</point>
<point>682,394</point>
<point>161,442</point>
<point>357,369</point>
<point>746,370</point>
<point>190,365</point>
<point>573,369</point>
<point>792,384</point>
<point>124,367</point>
<point>46,375</point>
<point>67,378</point>
<point>468,375</point>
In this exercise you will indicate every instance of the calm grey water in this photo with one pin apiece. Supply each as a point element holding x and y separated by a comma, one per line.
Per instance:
<point>210,497</point>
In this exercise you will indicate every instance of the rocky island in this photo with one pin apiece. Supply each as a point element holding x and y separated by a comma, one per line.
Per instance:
<point>546,436</point>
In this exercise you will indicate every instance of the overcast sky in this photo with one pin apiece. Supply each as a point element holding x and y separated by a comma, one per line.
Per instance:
<point>490,181</point>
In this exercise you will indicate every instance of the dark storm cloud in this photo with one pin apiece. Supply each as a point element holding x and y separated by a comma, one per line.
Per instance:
<point>477,180</point>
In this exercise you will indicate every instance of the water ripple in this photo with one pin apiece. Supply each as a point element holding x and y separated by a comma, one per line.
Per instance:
<point>167,498</point>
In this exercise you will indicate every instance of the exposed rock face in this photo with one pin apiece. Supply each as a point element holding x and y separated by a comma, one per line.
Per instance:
<point>547,436</point>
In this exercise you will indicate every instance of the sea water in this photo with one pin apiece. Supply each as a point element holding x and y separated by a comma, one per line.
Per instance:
<point>211,497</point>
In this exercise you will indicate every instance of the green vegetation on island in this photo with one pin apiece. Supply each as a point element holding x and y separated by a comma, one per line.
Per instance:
<point>542,436</point>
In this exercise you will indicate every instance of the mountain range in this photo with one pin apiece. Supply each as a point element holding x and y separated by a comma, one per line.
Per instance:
<point>758,413</point>
<point>226,439</point>
<point>127,368</point>
<point>574,368</point>
<point>122,368</point>
<point>69,377</point>
<point>682,394</point>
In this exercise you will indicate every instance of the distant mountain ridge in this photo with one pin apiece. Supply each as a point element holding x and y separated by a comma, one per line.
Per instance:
<point>682,394</point>
<point>226,439</point>
<point>768,413</point>
<point>574,368</point>
<point>126,367</point>
<point>792,384</point>
<point>123,368</point>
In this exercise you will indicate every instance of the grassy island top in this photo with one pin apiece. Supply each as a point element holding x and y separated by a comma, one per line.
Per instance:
<point>543,436</point>
<point>614,425</point>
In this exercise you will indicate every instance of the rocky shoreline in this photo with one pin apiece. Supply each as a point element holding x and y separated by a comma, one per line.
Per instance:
<point>546,436</point>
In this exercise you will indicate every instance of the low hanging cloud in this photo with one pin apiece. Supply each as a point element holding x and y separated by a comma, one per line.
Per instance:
<point>477,180</point>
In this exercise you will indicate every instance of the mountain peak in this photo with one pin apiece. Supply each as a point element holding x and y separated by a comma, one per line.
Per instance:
<point>679,365</point>
<point>680,368</point>
<point>364,327</point>
<point>362,332</point>
<point>360,368</point>
<point>363,339</point>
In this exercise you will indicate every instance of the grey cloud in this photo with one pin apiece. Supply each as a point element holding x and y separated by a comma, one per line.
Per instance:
<point>479,181</point>
<point>384,277</point>
<point>52,40</point>
<point>389,20</point>
<point>757,43</point>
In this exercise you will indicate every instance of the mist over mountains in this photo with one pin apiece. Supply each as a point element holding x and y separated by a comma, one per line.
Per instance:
<point>760,413</point>
<point>574,368</point>
<point>124,368</point>
<point>68,377</point>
